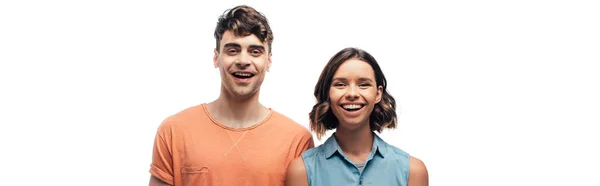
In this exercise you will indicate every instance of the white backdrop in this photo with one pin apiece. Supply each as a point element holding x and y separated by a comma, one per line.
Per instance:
<point>491,92</point>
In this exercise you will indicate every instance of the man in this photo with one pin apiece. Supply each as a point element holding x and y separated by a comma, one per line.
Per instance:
<point>233,140</point>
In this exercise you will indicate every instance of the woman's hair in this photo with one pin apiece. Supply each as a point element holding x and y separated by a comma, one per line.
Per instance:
<point>321,116</point>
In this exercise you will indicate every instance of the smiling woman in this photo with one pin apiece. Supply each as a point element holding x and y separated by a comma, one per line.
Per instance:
<point>352,98</point>
<point>487,92</point>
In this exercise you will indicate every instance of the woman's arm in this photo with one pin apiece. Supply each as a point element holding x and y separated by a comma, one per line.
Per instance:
<point>418,175</point>
<point>296,173</point>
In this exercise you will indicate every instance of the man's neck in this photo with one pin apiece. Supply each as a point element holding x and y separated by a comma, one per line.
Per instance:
<point>237,113</point>
<point>357,143</point>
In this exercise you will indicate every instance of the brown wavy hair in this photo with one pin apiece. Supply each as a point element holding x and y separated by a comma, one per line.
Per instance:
<point>244,20</point>
<point>321,116</point>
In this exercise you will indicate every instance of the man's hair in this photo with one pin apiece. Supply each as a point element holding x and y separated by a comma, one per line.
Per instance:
<point>244,20</point>
<point>321,116</point>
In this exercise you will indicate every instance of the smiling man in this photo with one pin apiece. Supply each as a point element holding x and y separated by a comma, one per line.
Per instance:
<point>233,140</point>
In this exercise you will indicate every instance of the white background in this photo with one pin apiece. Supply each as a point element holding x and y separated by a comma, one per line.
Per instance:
<point>491,92</point>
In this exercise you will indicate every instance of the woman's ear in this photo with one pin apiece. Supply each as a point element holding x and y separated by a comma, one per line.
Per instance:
<point>379,94</point>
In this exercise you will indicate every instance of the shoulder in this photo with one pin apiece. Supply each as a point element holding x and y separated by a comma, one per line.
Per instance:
<point>398,156</point>
<point>414,167</point>
<point>296,173</point>
<point>283,120</point>
<point>181,118</point>
<point>287,124</point>
<point>296,167</point>
<point>189,113</point>
<point>395,151</point>
<point>312,153</point>
<point>418,174</point>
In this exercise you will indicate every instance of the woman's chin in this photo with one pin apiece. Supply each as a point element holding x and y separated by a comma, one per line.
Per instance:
<point>352,124</point>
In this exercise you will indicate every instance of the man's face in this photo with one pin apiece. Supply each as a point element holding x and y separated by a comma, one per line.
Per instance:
<point>243,63</point>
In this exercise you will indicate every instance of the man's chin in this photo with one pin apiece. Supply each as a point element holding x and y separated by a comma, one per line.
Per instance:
<point>243,93</point>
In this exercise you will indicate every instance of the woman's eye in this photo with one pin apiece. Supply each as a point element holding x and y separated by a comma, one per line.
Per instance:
<point>338,84</point>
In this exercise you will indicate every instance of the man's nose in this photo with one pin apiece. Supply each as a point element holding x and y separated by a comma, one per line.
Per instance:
<point>243,60</point>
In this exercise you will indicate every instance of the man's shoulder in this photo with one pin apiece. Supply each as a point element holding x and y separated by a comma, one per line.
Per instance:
<point>287,123</point>
<point>184,116</point>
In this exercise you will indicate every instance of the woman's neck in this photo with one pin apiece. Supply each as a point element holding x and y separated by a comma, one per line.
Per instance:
<point>355,143</point>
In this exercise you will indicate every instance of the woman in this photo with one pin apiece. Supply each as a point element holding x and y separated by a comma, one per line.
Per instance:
<point>352,99</point>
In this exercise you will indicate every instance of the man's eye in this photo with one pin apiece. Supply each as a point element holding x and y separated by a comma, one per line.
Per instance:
<point>256,52</point>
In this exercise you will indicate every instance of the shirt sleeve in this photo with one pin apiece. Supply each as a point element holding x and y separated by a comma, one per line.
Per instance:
<point>162,156</point>
<point>306,142</point>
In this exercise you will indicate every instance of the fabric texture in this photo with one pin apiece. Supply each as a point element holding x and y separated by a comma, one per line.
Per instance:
<point>191,148</point>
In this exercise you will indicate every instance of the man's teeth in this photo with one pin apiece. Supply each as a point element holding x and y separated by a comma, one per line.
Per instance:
<point>243,74</point>
<point>354,106</point>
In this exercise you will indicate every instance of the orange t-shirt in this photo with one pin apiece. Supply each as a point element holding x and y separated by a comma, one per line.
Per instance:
<point>191,148</point>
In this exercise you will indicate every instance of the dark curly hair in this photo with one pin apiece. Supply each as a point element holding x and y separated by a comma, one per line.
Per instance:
<point>244,20</point>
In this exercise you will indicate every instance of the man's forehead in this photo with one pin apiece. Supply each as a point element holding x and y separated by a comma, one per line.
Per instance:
<point>241,44</point>
<point>251,39</point>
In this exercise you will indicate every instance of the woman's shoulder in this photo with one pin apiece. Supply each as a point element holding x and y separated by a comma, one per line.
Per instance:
<point>415,167</point>
<point>396,151</point>
<point>388,149</point>
<point>312,152</point>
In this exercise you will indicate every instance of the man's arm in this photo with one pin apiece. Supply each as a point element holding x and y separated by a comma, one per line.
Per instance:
<point>418,175</point>
<point>296,173</point>
<point>157,182</point>
<point>306,143</point>
<point>161,169</point>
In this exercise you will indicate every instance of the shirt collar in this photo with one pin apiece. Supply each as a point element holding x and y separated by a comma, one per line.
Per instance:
<point>331,146</point>
<point>379,145</point>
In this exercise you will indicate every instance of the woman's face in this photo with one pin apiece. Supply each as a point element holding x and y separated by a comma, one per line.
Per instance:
<point>354,93</point>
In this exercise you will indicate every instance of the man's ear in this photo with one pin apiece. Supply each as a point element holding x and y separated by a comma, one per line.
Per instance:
<point>379,94</point>
<point>216,58</point>
<point>269,61</point>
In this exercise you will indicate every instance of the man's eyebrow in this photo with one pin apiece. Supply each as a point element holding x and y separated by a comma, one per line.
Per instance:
<point>260,47</point>
<point>231,45</point>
